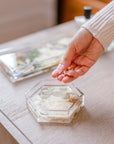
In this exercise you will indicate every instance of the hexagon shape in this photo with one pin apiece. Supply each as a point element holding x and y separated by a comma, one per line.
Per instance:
<point>51,101</point>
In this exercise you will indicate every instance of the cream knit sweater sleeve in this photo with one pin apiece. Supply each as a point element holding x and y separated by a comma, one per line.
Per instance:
<point>102,25</point>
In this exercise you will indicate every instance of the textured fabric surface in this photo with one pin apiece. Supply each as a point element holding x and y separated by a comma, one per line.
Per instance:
<point>102,25</point>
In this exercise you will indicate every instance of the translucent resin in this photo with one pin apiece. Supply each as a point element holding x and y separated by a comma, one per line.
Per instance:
<point>29,61</point>
<point>51,101</point>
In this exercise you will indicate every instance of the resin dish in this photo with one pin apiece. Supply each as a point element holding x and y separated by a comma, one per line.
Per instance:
<point>31,61</point>
<point>52,101</point>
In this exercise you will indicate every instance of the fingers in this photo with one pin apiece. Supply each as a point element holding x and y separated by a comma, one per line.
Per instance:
<point>65,78</point>
<point>60,77</point>
<point>66,62</point>
<point>68,79</point>
<point>78,71</point>
<point>73,74</point>
<point>58,70</point>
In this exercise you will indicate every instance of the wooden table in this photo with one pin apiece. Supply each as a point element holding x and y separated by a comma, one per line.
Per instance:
<point>93,125</point>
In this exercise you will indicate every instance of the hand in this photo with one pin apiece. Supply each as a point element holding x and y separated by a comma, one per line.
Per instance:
<point>81,55</point>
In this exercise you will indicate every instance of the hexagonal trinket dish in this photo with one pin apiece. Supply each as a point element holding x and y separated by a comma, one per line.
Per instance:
<point>52,101</point>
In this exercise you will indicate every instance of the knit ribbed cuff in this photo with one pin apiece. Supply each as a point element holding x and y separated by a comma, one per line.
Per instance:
<point>102,25</point>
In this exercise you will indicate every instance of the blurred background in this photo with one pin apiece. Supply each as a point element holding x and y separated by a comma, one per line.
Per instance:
<point>22,17</point>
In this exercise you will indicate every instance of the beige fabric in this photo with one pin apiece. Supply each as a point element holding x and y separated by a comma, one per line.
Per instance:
<point>102,25</point>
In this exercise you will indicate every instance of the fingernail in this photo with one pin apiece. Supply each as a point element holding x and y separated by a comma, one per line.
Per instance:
<point>60,77</point>
<point>60,67</point>
<point>65,79</point>
<point>54,73</point>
